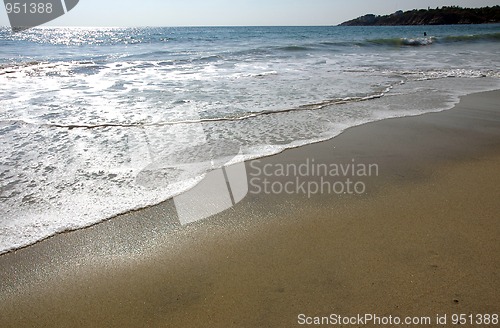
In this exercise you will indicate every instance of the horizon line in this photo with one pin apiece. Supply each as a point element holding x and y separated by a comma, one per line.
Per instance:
<point>163,26</point>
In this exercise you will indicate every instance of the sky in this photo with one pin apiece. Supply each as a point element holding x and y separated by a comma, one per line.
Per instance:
<point>235,12</point>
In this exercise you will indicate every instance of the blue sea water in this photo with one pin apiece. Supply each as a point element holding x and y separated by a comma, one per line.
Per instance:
<point>89,116</point>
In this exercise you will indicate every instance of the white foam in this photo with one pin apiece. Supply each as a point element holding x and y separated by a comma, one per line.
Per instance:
<point>57,175</point>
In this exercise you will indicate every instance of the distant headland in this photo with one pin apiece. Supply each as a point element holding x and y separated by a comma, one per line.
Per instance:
<point>439,16</point>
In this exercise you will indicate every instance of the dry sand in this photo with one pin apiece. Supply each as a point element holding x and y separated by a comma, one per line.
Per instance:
<point>421,241</point>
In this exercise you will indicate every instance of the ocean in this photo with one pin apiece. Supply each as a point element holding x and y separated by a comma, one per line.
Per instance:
<point>95,122</point>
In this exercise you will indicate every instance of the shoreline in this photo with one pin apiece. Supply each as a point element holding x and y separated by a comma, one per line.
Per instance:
<point>255,158</point>
<point>146,255</point>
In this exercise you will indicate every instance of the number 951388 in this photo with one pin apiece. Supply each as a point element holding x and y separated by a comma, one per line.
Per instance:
<point>474,319</point>
<point>28,8</point>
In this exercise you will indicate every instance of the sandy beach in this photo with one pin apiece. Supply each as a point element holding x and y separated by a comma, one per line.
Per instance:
<point>421,240</point>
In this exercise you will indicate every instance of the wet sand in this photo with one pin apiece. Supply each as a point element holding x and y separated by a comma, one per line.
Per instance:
<point>421,241</point>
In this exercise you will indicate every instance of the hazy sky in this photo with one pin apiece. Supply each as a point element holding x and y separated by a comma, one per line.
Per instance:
<point>235,12</point>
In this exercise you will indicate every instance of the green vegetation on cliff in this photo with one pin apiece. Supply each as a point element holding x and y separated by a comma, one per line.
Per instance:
<point>439,16</point>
